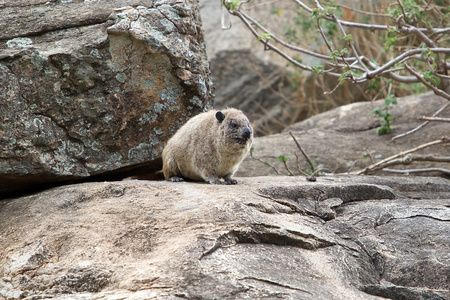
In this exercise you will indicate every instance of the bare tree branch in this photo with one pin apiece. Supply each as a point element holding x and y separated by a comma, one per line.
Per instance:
<point>362,11</point>
<point>409,158</point>
<point>373,27</point>
<point>313,168</point>
<point>432,87</point>
<point>268,45</point>
<point>435,119</point>
<point>402,58</point>
<point>243,15</point>
<point>421,125</point>
<point>409,171</point>
<point>380,164</point>
<point>264,162</point>
<point>384,70</point>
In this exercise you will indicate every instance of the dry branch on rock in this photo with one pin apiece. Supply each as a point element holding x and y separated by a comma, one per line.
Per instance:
<point>406,159</point>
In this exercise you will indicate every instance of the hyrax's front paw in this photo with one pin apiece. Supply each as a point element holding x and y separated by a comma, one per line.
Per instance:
<point>176,179</point>
<point>231,181</point>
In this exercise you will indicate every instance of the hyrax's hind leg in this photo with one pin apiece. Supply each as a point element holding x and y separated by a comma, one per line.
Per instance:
<point>171,170</point>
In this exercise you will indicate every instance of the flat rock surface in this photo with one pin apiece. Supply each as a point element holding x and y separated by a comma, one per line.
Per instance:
<point>268,237</point>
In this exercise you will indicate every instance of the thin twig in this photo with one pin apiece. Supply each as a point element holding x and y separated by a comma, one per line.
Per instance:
<point>435,119</point>
<point>445,159</point>
<point>403,57</point>
<point>287,45</point>
<point>373,27</point>
<point>369,13</point>
<point>403,9</point>
<point>338,22</point>
<point>269,45</point>
<point>437,91</point>
<point>297,162</point>
<point>264,162</point>
<point>380,164</point>
<point>440,170</point>
<point>313,169</point>
<point>287,168</point>
<point>408,159</point>
<point>421,125</point>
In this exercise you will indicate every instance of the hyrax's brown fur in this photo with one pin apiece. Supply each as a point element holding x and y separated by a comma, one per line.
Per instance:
<point>208,147</point>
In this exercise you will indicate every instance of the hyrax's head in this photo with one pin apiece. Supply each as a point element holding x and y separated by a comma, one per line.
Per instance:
<point>235,128</point>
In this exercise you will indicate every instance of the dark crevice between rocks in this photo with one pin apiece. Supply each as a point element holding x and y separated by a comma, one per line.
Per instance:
<point>28,185</point>
<point>276,284</point>
<point>271,235</point>
<point>375,257</point>
<point>410,217</point>
<point>27,4</point>
<point>391,291</point>
<point>45,30</point>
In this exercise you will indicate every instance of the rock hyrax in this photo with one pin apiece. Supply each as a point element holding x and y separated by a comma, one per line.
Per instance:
<point>208,147</point>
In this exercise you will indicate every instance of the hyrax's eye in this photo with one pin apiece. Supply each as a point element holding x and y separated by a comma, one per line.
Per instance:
<point>234,126</point>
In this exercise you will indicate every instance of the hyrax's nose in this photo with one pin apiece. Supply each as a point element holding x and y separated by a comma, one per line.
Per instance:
<point>246,133</point>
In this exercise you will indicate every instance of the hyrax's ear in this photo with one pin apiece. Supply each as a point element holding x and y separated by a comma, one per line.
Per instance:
<point>220,116</point>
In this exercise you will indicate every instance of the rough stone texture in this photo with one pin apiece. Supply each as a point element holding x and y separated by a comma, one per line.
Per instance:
<point>265,238</point>
<point>89,87</point>
<point>345,139</point>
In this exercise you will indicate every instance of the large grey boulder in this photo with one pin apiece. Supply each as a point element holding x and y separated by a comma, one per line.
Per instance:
<point>265,238</point>
<point>90,87</point>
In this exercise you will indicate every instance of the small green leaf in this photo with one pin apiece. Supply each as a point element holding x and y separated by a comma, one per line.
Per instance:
<point>391,38</point>
<point>384,130</point>
<point>283,158</point>
<point>317,70</point>
<point>264,37</point>
<point>388,117</point>
<point>429,54</point>
<point>315,13</point>
<point>348,37</point>
<point>344,51</point>
<point>431,78</point>
<point>276,11</point>
<point>334,54</point>
<point>233,5</point>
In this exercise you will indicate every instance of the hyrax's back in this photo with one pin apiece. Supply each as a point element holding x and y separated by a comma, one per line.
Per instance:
<point>209,146</point>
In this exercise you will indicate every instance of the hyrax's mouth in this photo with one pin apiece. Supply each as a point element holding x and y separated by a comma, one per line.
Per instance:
<point>241,141</point>
<point>243,136</point>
